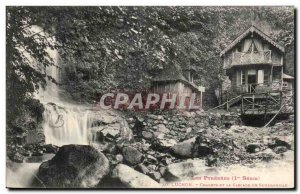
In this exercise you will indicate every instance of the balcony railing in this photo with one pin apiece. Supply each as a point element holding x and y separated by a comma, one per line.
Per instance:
<point>240,58</point>
<point>258,88</point>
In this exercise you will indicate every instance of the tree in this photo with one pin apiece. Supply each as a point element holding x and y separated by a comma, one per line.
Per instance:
<point>111,48</point>
<point>26,58</point>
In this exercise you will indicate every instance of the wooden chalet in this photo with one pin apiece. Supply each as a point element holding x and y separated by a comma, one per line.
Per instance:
<point>254,64</point>
<point>175,80</point>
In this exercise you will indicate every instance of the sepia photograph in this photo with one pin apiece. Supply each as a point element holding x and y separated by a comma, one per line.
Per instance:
<point>150,97</point>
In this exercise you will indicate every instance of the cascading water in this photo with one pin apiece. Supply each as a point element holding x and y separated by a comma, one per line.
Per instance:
<point>64,123</point>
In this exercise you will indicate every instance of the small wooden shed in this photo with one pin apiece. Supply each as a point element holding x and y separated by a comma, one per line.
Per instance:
<point>175,80</point>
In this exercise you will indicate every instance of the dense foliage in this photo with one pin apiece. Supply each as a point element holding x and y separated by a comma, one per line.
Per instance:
<point>108,48</point>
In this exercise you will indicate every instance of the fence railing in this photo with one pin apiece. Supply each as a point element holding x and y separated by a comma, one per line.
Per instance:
<point>257,88</point>
<point>249,58</point>
<point>270,102</point>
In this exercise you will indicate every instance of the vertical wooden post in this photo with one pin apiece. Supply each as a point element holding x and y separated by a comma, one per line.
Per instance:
<point>281,78</point>
<point>242,105</point>
<point>280,99</point>
<point>201,100</point>
<point>253,101</point>
<point>266,107</point>
<point>227,106</point>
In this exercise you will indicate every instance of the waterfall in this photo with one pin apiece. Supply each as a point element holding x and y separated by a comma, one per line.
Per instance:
<point>65,125</point>
<point>63,122</point>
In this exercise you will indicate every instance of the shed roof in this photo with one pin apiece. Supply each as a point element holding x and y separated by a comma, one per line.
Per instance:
<point>246,33</point>
<point>286,76</point>
<point>173,72</point>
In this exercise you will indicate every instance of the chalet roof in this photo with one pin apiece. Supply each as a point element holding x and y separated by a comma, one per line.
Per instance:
<point>246,33</point>
<point>173,73</point>
<point>286,76</point>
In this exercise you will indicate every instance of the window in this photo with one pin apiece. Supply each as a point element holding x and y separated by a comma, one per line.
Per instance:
<point>243,77</point>
<point>260,76</point>
<point>253,47</point>
<point>239,48</point>
<point>266,46</point>
<point>266,77</point>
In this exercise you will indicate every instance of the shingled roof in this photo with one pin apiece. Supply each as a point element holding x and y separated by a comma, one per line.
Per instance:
<point>173,72</point>
<point>252,29</point>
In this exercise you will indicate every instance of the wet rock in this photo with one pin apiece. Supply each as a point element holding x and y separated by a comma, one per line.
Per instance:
<point>51,149</point>
<point>184,149</point>
<point>130,178</point>
<point>114,133</point>
<point>74,166</point>
<point>102,119</point>
<point>39,159</point>
<point>132,156</point>
<point>37,152</point>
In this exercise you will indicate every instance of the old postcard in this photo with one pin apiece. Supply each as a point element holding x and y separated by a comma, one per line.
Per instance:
<point>150,97</point>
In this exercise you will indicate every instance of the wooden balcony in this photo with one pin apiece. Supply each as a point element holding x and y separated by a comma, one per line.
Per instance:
<point>251,89</point>
<point>258,88</point>
<point>246,58</point>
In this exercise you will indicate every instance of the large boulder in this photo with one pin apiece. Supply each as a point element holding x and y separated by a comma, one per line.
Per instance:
<point>202,147</point>
<point>253,147</point>
<point>74,166</point>
<point>163,145</point>
<point>115,132</point>
<point>281,141</point>
<point>127,177</point>
<point>187,170</point>
<point>131,155</point>
<point>184,149</point>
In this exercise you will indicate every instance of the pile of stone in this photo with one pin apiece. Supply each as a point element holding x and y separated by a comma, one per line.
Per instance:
<point>159,149</point>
